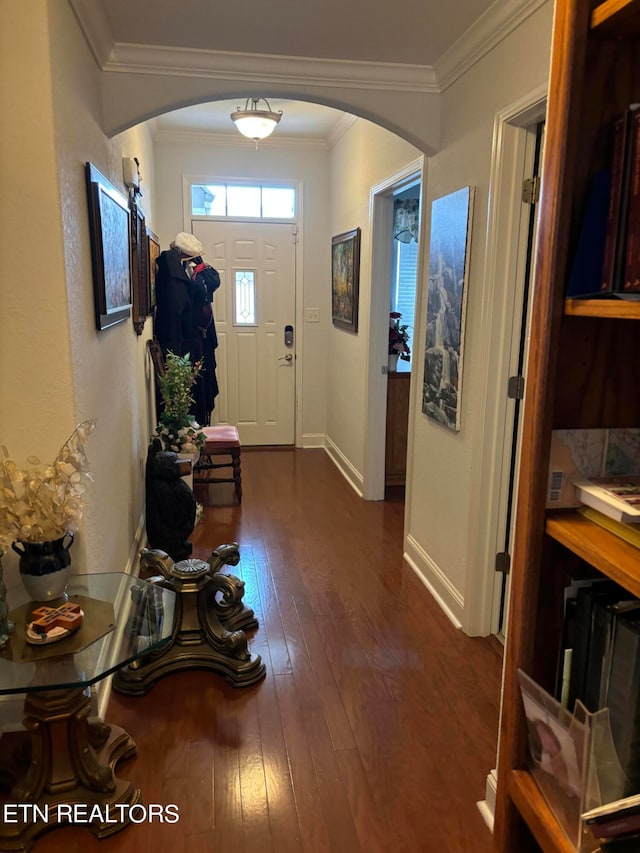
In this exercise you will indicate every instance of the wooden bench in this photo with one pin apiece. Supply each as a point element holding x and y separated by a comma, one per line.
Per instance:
<point>223,443</point>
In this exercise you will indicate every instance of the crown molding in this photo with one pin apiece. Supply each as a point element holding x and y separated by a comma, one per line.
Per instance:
<point>95,27</point>
<point>236,139</point>
<point>339,129</point>
<point>492,27</point>
<point>299,70</point>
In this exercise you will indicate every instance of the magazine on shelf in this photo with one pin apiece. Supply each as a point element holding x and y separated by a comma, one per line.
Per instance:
<point>616,497</point>
<point>629,532</point>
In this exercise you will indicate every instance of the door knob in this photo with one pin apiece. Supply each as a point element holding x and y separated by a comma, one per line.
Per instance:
<point>287,357</point>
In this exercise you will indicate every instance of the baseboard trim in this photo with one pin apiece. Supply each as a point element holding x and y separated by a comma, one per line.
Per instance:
<point>312,439</point>
<point>487,807</point>
<point>351,474</point>
<point>438,584</point>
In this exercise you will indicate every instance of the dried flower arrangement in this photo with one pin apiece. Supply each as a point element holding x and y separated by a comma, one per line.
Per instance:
<point>177,430</point>
<point>40,503</point>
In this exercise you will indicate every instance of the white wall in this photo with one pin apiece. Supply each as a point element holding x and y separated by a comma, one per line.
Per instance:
<point>364,157</point>
<point>239,160</point>
<point>441,518</point>
<point>56,368</point>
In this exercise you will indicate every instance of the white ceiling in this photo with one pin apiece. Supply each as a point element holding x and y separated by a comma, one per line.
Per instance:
<point>414,34</point>
<point>414,31</point>
<point>300,120</point>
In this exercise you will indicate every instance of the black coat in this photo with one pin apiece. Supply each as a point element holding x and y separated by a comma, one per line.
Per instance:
<point>173,325</point>
<point>206,281</point>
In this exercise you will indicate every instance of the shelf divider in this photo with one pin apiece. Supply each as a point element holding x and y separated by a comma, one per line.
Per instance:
<point>616,309</point>
<point>538,816</point>
<point>605,551</point>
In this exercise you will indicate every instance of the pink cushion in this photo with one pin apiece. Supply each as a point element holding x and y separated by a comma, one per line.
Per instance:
<point>221,436</point>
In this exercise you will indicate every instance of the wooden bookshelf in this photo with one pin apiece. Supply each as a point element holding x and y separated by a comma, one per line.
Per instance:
<point>616,309</point>
<point>617,18</point>
<point>536,812</point>
<point>582,373</point>
<point>602,549</point>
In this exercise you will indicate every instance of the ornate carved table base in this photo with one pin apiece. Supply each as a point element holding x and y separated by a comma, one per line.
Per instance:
<point>62,760</point>
<point>210,620</point>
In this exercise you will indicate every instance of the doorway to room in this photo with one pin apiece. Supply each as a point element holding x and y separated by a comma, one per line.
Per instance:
<point>403,276</point>
<point>390,264</point>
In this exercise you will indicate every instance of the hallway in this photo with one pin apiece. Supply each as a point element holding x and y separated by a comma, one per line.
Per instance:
<point>376,725</point>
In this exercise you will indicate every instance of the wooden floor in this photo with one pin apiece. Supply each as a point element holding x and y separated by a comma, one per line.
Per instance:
<point>376,725</point>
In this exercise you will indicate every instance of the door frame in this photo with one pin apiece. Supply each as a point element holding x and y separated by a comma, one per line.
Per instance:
<point>512,125</point>
<point>298,271</point>
<point>381,219</point>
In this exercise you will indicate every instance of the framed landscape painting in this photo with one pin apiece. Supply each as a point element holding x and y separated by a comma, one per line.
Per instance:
<point>110,249</point>
<point>345,279</point>
<point>446,305</point>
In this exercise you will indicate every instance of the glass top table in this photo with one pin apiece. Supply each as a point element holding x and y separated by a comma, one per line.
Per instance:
<point>61,757</point>
<point>125,618</point>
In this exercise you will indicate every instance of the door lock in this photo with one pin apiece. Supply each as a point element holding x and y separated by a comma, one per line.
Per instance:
<point>287,357</point>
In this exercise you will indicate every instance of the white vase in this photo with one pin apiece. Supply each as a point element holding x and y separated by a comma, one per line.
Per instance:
<point>392,366</point>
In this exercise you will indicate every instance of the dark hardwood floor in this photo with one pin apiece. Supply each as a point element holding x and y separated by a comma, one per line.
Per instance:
<point>376,725</point>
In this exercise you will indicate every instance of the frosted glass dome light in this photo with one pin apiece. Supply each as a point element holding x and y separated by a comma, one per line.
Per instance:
<point>254,123</point>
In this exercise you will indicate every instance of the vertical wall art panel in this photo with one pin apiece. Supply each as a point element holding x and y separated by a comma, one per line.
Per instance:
<point>446,304</point>
<point>345,279</point>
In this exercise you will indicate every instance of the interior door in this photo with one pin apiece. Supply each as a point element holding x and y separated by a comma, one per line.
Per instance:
<point>254,312</point>
<point>518,358</point>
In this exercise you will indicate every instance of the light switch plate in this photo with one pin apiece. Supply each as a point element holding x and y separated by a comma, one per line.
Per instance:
<point>312,315</point>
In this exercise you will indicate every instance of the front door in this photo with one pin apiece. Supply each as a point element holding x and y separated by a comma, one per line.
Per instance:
<point>253,308</point>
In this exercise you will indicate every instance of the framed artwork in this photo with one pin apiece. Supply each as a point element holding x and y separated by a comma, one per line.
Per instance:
<point>446,306</point>
<point>153,253</point>
<point>139,265</point>
<point>110,250</point>
<point>345,279</point>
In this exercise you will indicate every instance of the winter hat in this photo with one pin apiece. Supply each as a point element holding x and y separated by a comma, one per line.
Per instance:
<point>188,244</point>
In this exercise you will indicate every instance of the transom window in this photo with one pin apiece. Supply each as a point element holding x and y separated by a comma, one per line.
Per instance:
<point>255,201</point>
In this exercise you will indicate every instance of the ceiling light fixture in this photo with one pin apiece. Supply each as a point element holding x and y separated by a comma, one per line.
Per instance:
<point>254,123</point>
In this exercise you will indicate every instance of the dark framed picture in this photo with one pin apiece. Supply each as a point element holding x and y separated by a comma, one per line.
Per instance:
<point>110,250</point>
<point>153,253</point>
<point>345,279</point>
<point>139,266</point>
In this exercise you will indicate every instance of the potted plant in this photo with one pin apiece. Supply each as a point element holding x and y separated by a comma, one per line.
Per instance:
<point>398,340</point>
<point>40,508</point>
<point>177,429</point>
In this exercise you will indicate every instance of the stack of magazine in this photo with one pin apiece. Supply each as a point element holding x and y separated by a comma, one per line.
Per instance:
<point>617,498</point>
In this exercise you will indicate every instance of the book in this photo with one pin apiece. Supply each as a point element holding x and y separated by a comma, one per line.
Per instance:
<point>616,808</point>
<point>629,532</point>
<point>585,278</point>
<point>604,624</point>
<point>623,699</point>
<point>581,634</point>
<point>616,497</point>
<point>615,819</point>
<point>614,244</point>
<point>631,273</point>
